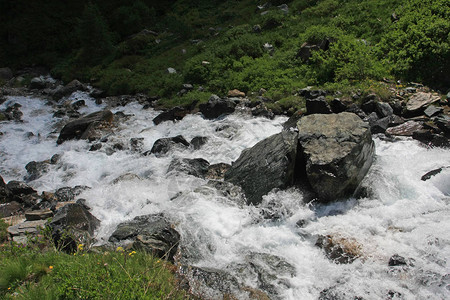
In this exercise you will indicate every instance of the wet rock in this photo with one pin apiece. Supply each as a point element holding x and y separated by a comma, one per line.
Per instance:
<point>432,110</point>
<point>317,106</point>
<point>176,113</point>
<point>335,293</point>
<point>84,128</point>
<point>432,173</point>
<point>35,215</point>
<point>95,147</point>
<point>217,171</point>
<point>65,194</point>
<point>430,138</point>
<point>229,191</point>
<point>267,165</point>
<point>418,102</point>
<point>73,224</point>
<point>36,169</point>
<point>337,152</point>
<point>405,129</point>
<point>216,107</point>
<point>136,144</point>
<point>164,145</point>
<point>198,141</point>
<point>152,233</point>
<point>197,167</point>
<point>18,188</point>
<point>339,250</point>
<point>291,123</point>
<point>126,177</point>
<point>262,111</point>
<point>397,260</point>
<point>215,283</point>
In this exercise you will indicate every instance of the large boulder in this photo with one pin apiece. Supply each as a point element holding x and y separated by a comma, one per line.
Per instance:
<point>418,102</point>
<point>216,107</point>
<point>73,224</point>
<point>83,127</point>
<point>152,233</point>
<point>337,152</point>
<point>267,165</point>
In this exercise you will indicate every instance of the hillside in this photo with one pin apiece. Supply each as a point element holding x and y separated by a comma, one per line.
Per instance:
<point>280,47</point>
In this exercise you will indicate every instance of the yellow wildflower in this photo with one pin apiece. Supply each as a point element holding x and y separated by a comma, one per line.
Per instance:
<point>80,247</point>
<point>50,267</point>
<point>132,253</point>
<point>119,249</point>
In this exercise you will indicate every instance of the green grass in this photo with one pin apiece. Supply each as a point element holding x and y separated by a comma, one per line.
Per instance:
<point>38,271</point>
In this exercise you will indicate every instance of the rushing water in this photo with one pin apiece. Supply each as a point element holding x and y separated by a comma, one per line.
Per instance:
<point>403,215</point>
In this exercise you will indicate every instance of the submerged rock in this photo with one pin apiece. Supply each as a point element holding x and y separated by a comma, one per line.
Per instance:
<point>152,233</point>
<point>267,165</point>
<point>337,152</point>
<point>339,250</point>
<point>84,127</point>
<point>432,173</point>
<point>36,169</point>
<point>176,113</point>
<point>197,167</point>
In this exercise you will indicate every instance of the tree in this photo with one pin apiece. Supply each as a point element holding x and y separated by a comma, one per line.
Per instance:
<point>95,38</point>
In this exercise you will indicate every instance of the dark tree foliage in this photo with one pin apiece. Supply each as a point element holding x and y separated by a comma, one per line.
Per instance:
<point>94,36</point>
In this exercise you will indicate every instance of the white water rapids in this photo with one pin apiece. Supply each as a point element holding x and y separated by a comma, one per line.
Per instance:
<point>403,215</point>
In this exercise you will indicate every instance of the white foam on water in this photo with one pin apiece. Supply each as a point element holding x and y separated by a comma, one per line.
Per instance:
<point>403,214</point>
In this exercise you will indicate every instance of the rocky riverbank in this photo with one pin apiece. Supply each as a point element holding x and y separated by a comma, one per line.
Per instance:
<point>327,149</point>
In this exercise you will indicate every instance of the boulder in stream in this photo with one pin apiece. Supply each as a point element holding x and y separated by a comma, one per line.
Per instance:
<point>337,151</point>
<point>267,165</point>
<point>216,107</point>
<point>83,127</point>
<point>164,145</point>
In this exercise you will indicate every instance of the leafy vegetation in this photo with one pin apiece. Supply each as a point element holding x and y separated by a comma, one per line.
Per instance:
<point>39,271</point>
<point>223,45</point>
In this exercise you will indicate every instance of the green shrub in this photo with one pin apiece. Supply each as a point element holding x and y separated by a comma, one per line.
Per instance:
<point>3,232</point>
<point>418,44</point>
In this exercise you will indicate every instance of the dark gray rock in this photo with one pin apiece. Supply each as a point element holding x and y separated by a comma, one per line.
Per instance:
<point>317,105</point>
<point>83,128</point>
<point>337,106</point>
<point>309,93</point>
<point>38,83</point>
<point>78,104</point>
<point>176,113</point>
<point>432,110</point>
<point>73,224</point>
<point>95,147</point>
<point>136,144</point>
<point>36,169</point>
<point>6,73</point>
<point>262,111</point>
<point>291,123</point>
<point>368,107</point>
<point>65,194</point>
<point>164,145</point>
<point>380,125</point>
<point>152,233</point>
<point>198,141</point>
<point>10,209</point>
<point>383,109</point>
<point>216,107</point>
<point>267,165</point>
<point>68,89</point>
<point>197,167</point>
<point>5,194</point>
<point>337,152</point>
<point>215,283</point>
<point>430,138</point>
<point>353,108</point>
<point>35,215</point>
<point>20,188</point>
<point>397,260</point>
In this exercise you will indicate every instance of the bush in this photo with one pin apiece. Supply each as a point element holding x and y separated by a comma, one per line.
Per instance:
<point>418,44</point>
<point>3,232</point>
